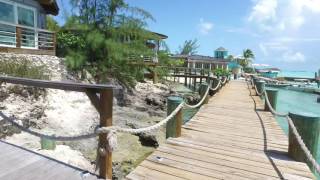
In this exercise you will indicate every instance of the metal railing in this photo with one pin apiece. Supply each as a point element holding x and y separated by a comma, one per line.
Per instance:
<point>18,36</point>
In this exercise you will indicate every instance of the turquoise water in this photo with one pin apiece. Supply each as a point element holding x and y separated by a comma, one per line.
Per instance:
<point>188,113</point>
<point>297,102</point>
<point>297,74</point>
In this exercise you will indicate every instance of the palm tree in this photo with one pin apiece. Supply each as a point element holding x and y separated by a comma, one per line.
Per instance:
<point>230,58</point>
<point>248,56</point>
<point>189,47</point>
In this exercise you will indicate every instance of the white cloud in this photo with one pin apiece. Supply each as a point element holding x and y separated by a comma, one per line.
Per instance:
<point>204,26</point>
<point>282,15</point>
<point>264,10</point>
<point>293,57</point>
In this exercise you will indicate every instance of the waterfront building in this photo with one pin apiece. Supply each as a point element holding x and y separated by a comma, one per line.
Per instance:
<point>23,26</point>
<point>269,72</point>
<point>221,53</point>
<point>203,62</point>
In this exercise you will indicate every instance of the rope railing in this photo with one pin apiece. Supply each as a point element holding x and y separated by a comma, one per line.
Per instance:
<point>201,101</point>
<point>217,87</point>
<point>109,130</point>
<point>295,132</point>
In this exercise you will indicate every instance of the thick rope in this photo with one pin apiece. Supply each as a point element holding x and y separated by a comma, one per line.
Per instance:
<point>202,100</point>
<point>295,132</point>
<point>303,146</point>
<point>218,85</point>
<point>258,93</point>
<point>273,111</point>
<point>145,129</point>
<point>225,80</point>
<point>51,137</point>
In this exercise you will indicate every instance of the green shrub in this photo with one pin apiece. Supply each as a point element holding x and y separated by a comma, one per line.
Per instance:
<point>67,41</point>
<point>23,68</point>
<point>221,72</point>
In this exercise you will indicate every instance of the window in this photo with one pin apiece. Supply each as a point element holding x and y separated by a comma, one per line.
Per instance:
<point>15,13</point>
<point>26,17</point>
<point>198,65</point>
<point>7,12</point>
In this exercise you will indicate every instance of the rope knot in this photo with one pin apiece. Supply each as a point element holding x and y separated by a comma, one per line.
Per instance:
<point>112,140</point>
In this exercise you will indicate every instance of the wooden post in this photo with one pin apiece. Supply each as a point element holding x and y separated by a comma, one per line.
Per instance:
<point>173,127</point>
<point>194,83</point>
<point>155,77</point>
<point>260,86</point>
<point>273,96</point>
<point>202,90</point>
<point>106,102</point>
<point>18,37</point>
<point>185,77</point>
<point>308,126</point>
<point>254,82</point>
<point>54,40</point>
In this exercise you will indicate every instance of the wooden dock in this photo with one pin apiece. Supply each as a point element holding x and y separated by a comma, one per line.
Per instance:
<point>17,163</point>
<point>231,137</point>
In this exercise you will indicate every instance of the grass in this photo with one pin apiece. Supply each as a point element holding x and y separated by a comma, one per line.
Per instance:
<point>23,68</point>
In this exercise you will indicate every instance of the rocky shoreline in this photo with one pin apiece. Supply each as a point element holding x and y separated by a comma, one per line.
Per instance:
<point>71,113</point>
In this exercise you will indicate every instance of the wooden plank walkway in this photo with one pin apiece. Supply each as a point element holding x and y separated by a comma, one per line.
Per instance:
<point>229,138</point>
<point>17,163</point>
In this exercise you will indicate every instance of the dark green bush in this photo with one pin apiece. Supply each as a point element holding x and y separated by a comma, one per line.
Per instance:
<point>67,41</point>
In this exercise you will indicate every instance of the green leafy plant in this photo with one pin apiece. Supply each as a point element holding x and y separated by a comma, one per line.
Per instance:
<point>221,72</point>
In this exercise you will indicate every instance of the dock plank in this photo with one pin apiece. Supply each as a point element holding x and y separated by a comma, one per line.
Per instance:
<point>229,138</point>
<point>18,163</point>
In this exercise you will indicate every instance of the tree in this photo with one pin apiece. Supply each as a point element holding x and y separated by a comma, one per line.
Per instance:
<point>52,24</point>
<point>189,47</point>
<point>247,57</point>
<point>113,31</point>
<point>230,58</point>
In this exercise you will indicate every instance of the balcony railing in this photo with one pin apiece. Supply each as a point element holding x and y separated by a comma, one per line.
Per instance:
<point>17,36</point>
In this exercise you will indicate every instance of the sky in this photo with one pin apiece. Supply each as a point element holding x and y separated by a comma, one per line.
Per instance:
<point>281,33</point>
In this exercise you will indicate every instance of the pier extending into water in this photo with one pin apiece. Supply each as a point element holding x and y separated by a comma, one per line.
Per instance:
<point>231,137</point>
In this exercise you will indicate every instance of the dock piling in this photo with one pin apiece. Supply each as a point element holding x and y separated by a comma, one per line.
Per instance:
<point>308,126</point>
<point>202,90</point>
<point>273,97</point>
<point>173,127</point>
<point>260,86</point>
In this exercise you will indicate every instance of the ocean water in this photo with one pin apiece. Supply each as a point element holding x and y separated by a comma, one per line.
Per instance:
<point>297,74</point>
<point>297,102</point>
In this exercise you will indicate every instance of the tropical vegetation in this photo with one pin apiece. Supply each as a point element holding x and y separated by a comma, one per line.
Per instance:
<point>189,47</point>
<point>107,40</point>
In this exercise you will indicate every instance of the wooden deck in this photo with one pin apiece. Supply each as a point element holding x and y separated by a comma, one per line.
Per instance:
<point>229,138</point>
<point>17,163</point>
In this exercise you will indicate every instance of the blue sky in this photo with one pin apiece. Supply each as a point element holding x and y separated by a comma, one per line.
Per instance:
<point>282,33</point>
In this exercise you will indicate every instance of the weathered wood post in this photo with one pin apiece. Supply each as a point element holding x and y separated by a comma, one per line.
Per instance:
<point>155,77</point>
<point>173,127</point>
<point>194,83</point>
<point>18,37</point>
<point>202,90</point>
<point>308,126</point>
<point>105,104</point>
<point>185,77</point>
<point>54,42</point>
<point>272,96</point>
<point>260,86</point>
<point>254,80</point>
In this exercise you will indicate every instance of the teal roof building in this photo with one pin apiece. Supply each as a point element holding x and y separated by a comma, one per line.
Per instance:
<point>221,53</point>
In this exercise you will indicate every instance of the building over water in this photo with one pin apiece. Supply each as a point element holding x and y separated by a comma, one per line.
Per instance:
<point>203,62</point>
